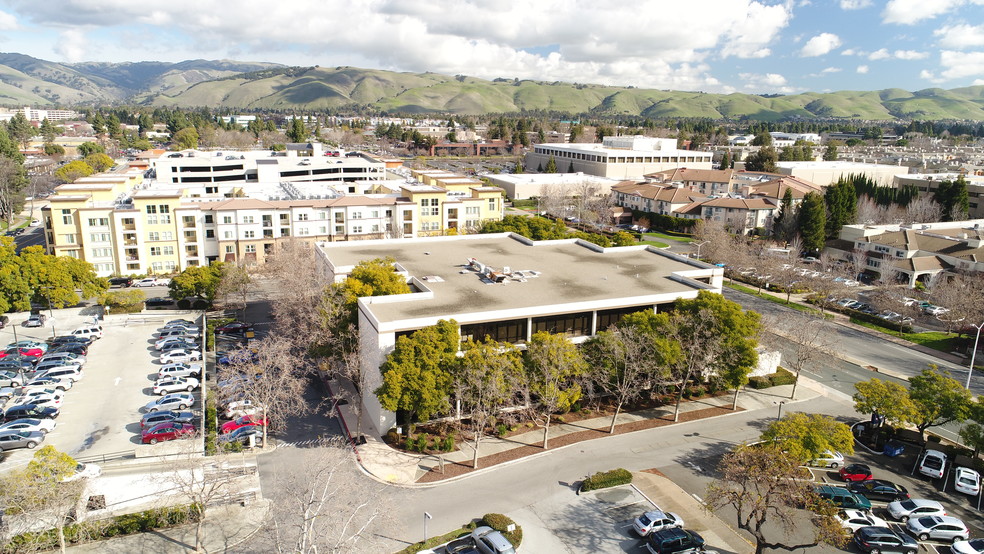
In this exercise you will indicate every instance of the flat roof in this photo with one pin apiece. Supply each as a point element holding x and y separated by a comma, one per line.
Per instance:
<point>573,276</point>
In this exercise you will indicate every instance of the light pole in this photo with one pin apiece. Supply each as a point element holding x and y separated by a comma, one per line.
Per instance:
<point>698,247</point>
<point>779,417</point>
<point>426,517</point>
<point>973,353</point>
<point>51,312</point>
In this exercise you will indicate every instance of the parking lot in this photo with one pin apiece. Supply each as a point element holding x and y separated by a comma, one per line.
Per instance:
<point>100,415</point>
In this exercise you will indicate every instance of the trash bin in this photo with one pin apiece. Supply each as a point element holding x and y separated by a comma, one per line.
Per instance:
<point>893,448</point>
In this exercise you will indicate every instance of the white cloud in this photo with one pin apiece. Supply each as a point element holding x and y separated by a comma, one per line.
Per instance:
<point>977,82</point>
<point>829,70</point>
<point>884,54</point>
<point>862,69</point>
<point>72,45</point>
<point>851,52</point>
<point>881,54</point>
<point>766,83</point>
<point>820,45</point>
<point>8,22</point>
<point>854,4</point>
<point>957,65</point>
<point>960,36</point>
<point>930,76</point>
<point>910,12</point>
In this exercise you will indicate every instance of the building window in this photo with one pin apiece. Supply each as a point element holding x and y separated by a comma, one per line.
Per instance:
<point>152,220</point>
<point>67,219</point>
<point>209,219</point>
<point>339,230</point>
<point>105,267</point>
<point>209,233</point>
<point>356,215</point>
<point>250,248</point>
<point>322,230</point>
<point>301,231</point>
<point>375,228</point>
<point>227,235</point>
<point>247,219</point>
<point>491,204</point>
<point>151,209</point>
<point>339,217</point>
<point>357,228</point>
<point>167,235</point>
<point>302,217</point>
<point>165,209</point>
<point>284,218</point>
<point>99,237</point>
<point>249,234</point>
<point>322,215</point>
<point>68,239</point>
<point>472,210</point>
<point>72,253</point>
<point>155,250</point>
<point>389,213</point>
<point>166,219</point>
<point>102,252</point>
<point>227,219</point>
<point>230,249</point>
<point>168,250</point>
<point>153,235</point>
<point>98,221</point>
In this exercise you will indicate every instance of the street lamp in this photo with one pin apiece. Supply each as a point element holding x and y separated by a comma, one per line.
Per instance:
<point>973,354</point>
<point>698,247</point>
<point>778,417</point>
<point>426,517</point>
<point>51,312</point>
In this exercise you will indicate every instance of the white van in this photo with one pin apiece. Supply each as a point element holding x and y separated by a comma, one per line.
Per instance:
<point>73,374</point>
<point>89,332</point>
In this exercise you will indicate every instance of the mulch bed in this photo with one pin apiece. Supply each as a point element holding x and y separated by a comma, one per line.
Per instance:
<point>454,469</point>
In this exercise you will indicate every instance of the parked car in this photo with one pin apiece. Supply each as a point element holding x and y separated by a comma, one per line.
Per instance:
<point>10,440</point>
<point>24,352</point>
<point>171,333</point>
<point>169,384</point>
<point>674,541</point>
<point>173,343</point>
<point>10,378</point>
<point>183,326</point>
<point>73,373</point>
<point>829,458</point>
<point>69,356</point>
<point>879,489</point>
<point>166,431</point>
<point>62,384</point>
<point>164,416</point>
<point>656,521</point>
<point>56,364</point>
<point>464,545</point>
<point>35,320</point>
<point>180,355</point>
<point>903,510</point>
<point>852,520</point>
<point>146,282</point>
<point>179,321</point>
<point>121,282</point>
<point>240,408</point>
<point>180,370</point>
<point>29,424</point>
<point>884,540</point>
<point>246,420</point>
<point>17,364</point>
<point>29,344</point>
<point>967,481</point>
<point>932,463</point>
<point>235,327</point>
<point>843,498</point>
<point>84,471</point>
<point>973,546</point>
<point>242,435</point>
<point>944,528</point>
<point>75,348</point>
<point>89,332</point>
<point>41,397</point>
<point>238,357</point>
<point>180,401</point>
<point>490,541</point>
<point>30,411</point>
<point>855,472</point>
<point>158,301</point>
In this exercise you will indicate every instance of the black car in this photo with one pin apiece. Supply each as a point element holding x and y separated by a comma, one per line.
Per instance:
<point>464,545</point>
<point>883,539</point>
<point>121,281</point>
<point>879,489</point>
<point>18,363</point>
<point>30,410</point>
<point>76,347</point>
<point>158,301</point>
<point>674,541</point>
<point>69,339</point>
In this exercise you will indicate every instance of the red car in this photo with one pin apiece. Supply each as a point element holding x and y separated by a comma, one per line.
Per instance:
<point>855,472</point>
<point>243,421</point>
<point>166,432</point>
<point>32,352</point>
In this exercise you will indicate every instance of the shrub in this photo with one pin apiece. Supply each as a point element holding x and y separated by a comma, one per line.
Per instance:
<point>605,479</point>
<point>501,430</point>
<point>123,301</point>
<point>759,382</point>
<point>447,445</point>
<point>501,524</point>
<point>782,377</point>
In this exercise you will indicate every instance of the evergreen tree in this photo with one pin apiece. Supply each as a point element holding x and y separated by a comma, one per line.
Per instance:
<point>841,201</point>
<point>783,222</point>
<point>830,153</point>
<point>812,222</point>
<point>763,160</point>
<point>551,166</point>
<point>953,199</point>
<point>570,169</point>
<point>726,161</point>
<point>519,167</point>
<point>48,131</point>
<point>297,132</point>
<point>762,138</point>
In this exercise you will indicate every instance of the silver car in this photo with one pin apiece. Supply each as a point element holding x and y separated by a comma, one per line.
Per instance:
<point>9,440</point>
<point>903,510</point>
<point>944,528</point>
<point>655,521</point>
<point>29,424</point>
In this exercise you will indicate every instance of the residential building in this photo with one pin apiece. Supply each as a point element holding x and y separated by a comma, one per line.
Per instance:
<point>507,287</point>
<point>739,215</point>
<point>628,157</point>
<point>917,252</point>
<point>126,224</point>
<point>708,182</point>
<point>775,189</point>
<point>651,197</point>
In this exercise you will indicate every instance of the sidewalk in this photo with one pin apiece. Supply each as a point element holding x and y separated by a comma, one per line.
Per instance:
<point>396,467</point>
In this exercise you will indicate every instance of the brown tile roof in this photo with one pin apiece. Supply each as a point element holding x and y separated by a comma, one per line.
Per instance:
<point>687,175</point>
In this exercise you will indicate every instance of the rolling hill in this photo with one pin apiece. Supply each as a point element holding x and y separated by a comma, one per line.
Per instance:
<point>256,85</point>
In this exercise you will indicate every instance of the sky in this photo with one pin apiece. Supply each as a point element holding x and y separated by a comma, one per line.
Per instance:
<point>751,46</point>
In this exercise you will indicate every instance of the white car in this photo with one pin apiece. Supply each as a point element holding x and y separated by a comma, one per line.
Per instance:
<point>148,282</point>
<point>902,510</point>
<point>656,521</point>
<point>174,401</point>
<point>852,520</point>
<point>935,310</point>
<point>161,343</point>
<point>829,459</point>
<point>180,370</point>
<point>967,481</point>
<point>44,425</point>
<point>974,546</point>
<point>167,385</point>
<point>945,528</point>
<point>240,408</point>
<point>84,471</point>
<point>189,328</point>
<point>65,357</point>
<point>41,397</point>
<point>180,355</point>
<point>932,463</point>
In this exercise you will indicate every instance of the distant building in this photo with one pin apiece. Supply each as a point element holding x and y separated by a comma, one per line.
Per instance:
<point>928,183</point>
<point>617,157</point>
<point>826,173</point>
<point>523,186</point>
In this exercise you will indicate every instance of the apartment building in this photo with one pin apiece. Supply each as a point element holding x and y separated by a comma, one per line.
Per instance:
<point>126,224</point>
<point>655,198</point>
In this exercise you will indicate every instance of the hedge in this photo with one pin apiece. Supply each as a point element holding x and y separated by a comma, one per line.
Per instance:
<point>665,222</point>
<point>127,524</point>
<point>501,524</point>
<point>780,377</point>
<point>606,479</point>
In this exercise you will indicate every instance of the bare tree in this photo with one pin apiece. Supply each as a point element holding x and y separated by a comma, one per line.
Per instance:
<point>235,287</point>
<point>961,294</point>
<point>923,209</point>
<point>810,340</point>
<point>270,376</point>
<point>858,263</point>
<point>292,270</point>
<point>325,505</point>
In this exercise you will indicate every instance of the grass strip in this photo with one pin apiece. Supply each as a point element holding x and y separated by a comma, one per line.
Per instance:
<point>773,299</point>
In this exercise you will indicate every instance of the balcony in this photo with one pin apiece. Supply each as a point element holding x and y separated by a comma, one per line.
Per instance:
<point>129,226</point>
<point>129,242</point>
<point>192,253</point>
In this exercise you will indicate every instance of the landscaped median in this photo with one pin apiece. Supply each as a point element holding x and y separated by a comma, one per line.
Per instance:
<point>498,522</point>
<point>606,479</point>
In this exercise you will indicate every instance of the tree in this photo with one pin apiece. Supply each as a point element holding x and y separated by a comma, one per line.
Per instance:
<point>99,162</point>
<point>963,295</point>
<point>54,150</point>
<point>812,221</point>
<point>938,398</point>
<point>235,285</point>
<point>87,149</point>
<point>953,199</point>
<point>554,366</point>
<point>840,199</point>
<point>764,160</point>
<point>13,181</point>
<point>889,400</point>
<point>197,282</point>
<point>325,505</point>
<point>185,139</point>
<point>73,171</point>
<point>377,277</point>
<point>417,373</point>
<point>627,361</point>
<point>923,209</point>
<point>48,131</point>
<point>20,129</point>
<point>830,153</point>
<point>784,223</point>
<point>485,381</point>
<point>806,437</point>
<point>54,279</point>
<point>726,161</point>
<point>551,166</point>
<point>519,167</point>
<point>810,340</point>
<point>764,487</point>
<point>296,132</point>
<point>762,138</point>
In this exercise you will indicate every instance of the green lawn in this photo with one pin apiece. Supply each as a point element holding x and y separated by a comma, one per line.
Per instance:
<point>655,243</point>
<point>937,340</point>
<point>772,298</point>
<point>658,235</point>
